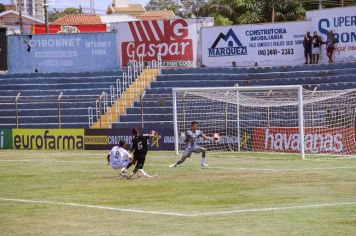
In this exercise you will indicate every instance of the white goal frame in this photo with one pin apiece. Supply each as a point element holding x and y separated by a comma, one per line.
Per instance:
<point>297,88</point>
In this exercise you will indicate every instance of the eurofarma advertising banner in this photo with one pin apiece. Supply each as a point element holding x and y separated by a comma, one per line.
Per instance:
<point>175,40</point>
<point>342,21</point>
<point>246,45</point>
<point>88,52</point>
<point>48,139</point>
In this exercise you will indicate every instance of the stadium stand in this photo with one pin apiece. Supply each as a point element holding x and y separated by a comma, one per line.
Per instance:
<point>157,103</point>
<point>38,107</point>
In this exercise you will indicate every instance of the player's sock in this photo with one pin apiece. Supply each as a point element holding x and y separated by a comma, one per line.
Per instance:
<point>128,166</point>
<point>108,158</point>
<point>133,173</point>
<point>202,163</point>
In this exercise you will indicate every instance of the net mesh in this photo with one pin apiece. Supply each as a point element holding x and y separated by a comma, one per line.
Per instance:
<point>265,120</point>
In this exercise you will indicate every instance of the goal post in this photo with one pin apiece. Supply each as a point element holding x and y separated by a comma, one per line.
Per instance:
<point>284,119</point>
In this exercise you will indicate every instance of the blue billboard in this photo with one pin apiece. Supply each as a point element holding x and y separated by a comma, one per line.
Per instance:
<point>62,53</point>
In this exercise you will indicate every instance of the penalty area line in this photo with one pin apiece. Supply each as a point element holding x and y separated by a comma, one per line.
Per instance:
<point>163,213</point>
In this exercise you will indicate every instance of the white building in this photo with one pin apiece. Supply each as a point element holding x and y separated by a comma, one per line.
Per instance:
<point>33,8</point>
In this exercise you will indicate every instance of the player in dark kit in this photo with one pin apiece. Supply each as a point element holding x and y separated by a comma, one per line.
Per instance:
<point>140,149</point>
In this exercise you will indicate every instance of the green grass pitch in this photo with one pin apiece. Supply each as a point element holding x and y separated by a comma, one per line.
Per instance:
<point>76,193</point>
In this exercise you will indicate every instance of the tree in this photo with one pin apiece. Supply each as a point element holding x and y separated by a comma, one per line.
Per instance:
<point>52,16</point>
<point>254,11</point>
<point>164,5</point>
<point>2,7</point>
<point>221,20</point>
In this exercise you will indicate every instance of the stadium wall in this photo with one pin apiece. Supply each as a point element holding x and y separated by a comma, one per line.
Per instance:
<point>58,53</point>
<point>67,29</point>
<point>275,139</point>
<point>342,21</point>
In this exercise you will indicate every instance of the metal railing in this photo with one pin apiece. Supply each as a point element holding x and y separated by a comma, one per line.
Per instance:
<point>135,68</point>
<point>44,111</point>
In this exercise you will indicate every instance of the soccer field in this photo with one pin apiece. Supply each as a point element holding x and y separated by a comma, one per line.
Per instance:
<point>76,193</point>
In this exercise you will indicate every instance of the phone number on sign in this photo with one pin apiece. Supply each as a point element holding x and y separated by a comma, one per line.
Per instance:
<point>268,52</point>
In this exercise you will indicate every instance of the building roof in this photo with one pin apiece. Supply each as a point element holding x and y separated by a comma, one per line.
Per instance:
<point>157,15</point>
<point>4,13</point>
<point>114,18</point>
<point>79,19</point>
<point>129,9</point>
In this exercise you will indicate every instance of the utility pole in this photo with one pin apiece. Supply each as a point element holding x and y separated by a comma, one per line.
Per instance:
<point>20,15</point>
<point>45,6</point>
<point>273,12</point>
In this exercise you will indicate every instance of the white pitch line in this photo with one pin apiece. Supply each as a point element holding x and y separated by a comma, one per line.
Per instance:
<point>252,210</point>
<point>94,206</point>
<point>210,167</point>
<point>279,170</point>
<point>268,209</point>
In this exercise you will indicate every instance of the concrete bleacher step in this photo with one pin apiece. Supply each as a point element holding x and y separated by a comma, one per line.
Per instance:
<point>149,110</point>
<point>156,103</point>
<point>56,86</point>
<point>127,99</point>
<point>147,117</point>
<point>96,91</point>
<point>236,70</point>
<point>147,125</point>
<point>58,81</point>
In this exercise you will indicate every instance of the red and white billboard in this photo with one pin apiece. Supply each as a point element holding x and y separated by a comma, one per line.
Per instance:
<point>317,140</point>
<point>67,29</point>
<point>175,40</point>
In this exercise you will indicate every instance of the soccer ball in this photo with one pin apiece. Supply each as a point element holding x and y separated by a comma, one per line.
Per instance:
<point>216,136</point>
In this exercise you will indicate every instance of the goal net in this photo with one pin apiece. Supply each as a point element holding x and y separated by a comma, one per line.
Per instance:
<point>269,119</point>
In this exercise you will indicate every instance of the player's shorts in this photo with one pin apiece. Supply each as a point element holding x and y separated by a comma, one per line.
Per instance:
<point>188,151</point>
<point>316,51</point>
<point>140,159</point>
<point>119,165</point>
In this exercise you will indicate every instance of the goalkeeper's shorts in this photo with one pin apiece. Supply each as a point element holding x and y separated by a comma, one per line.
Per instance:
<point>188,151</point>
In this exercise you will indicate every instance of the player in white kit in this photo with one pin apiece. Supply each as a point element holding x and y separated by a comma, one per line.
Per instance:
<point>192,138</point>
<point>119,157</point>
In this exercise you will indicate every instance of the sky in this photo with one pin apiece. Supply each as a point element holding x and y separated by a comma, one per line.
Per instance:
<point>99,4</point>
